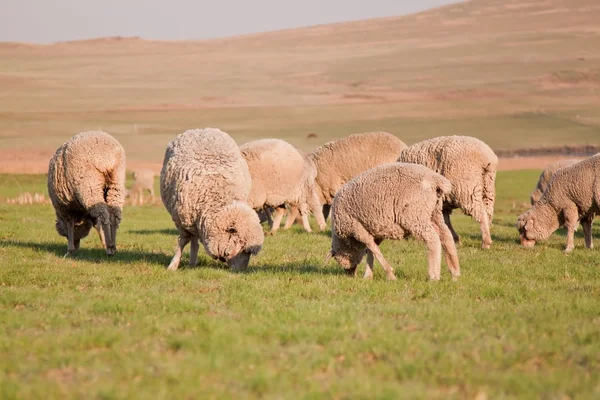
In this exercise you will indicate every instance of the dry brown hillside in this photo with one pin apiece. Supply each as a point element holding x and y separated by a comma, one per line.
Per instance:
<point>515,73</point>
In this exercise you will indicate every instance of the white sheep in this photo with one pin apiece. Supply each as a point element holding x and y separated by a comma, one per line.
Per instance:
<point>545,177</point>
<point>86,184</point>
<point>281,176</point>
<point>340,160</point>
<point>572,196</point>
<point>392,201</point>
<point>204,184</point>
<point>471,167</point>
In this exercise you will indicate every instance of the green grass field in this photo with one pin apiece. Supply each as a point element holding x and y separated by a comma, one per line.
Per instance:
<point>518,323</point>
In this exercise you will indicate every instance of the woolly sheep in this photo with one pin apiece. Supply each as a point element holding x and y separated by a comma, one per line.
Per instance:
<point>572,196</point>
<point>281,175</point>
<point>204,184</point>
<point>144,180</point>
<point>545,178</point>
<point>340,160</point>
<point>391,201</point>
<point>471,167</point>
<point>86,184</point>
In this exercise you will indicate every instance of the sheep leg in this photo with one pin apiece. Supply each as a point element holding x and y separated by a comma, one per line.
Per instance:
<point>326,209</point>
<point>586,223</point>
<point>100,231</point>
<point>194,251</point>
<point>485,231</point>
<point>571,222</point>
<point>369,269</point>
<point>317,210</point>
<point>291,217</point>
<point>448,246</point>
<point>279,212</point>
<point>455,236</point>
<point>373,248</point>
<point>110,243</point>
<point>182,242</point>
<point>71,249</point>
<point>305,223</point>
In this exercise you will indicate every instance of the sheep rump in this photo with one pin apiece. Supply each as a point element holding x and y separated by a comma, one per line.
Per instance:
<point>340,160</point>
<point>471,167</point>
<point>281,177</point>
<point>86,185</point>
<point>204,185</point>
<point>392,201</point>
<point>572,197</point>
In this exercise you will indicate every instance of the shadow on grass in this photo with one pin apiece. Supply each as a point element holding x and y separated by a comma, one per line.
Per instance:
<point>164,231</point>
<point>295,268</point>
<point>94,255</point>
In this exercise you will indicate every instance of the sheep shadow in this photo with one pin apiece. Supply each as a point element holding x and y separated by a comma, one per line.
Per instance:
<point>92,254</point>
<point>164,231</point>
<point>294,268</point>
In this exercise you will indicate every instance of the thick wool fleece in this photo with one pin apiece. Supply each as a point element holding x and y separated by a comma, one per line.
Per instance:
<point>392,201</point>
<point>281,176</point>
<point>204,184</point>
<point>471,166</point>
<point>545,177</point>
<point>572,196</point>
<point>340,160</point>
<point>86,184</point>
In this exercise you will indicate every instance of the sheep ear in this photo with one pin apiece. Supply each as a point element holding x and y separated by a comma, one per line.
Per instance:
<point>231,230</point>
<point>529,225</point>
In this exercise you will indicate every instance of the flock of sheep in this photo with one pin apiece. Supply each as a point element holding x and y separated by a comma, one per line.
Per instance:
<point>375,187</point>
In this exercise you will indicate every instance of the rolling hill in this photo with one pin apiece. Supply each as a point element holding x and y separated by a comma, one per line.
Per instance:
<point>513,73</point>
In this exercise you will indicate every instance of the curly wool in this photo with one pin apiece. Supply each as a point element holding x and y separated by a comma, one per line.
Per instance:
<point>281,176</point>
<point>545,177</point>
<point>391,201</point>
<point>86,184</point>
<point>471,166</point>
<point>340,160</point>
<point>572,196</point>
<point>204,185</point>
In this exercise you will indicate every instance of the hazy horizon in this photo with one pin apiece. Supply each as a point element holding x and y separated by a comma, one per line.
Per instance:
<point>38,21</point>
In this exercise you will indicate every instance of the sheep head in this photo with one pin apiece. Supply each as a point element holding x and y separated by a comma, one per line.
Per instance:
<point>233,235</point>
<point>81,229</point>
<point>538,223</point>
<point>347,252</point>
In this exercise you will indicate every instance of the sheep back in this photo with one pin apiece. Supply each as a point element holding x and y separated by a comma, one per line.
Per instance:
<point>340,160</point>
<point>468,163</point>
<point>203,170</point>
<point>545,177</point>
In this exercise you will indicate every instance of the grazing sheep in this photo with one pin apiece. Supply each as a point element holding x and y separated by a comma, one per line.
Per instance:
<point>572,196</point>
<point>281,176</point>
<point>144,180</point>
<point>204,184</point>
<point>471,166</point>
<point>545,178</point>
<point>340,160</point>
<point>86,184</point>
<point>391,201</point>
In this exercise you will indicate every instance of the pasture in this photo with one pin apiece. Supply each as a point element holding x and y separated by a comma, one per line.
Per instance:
<point>518,323</point>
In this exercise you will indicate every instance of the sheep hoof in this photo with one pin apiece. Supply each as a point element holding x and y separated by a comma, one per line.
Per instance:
<point>455,278</point>
<point>270,233</point>
<point>392,277</point>
<point>486,246</point>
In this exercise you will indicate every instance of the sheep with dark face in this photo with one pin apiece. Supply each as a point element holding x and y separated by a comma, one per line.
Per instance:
<point>572,197</point>
<point>391,201</point>
<point>204,184</point>
<point>86,184</point>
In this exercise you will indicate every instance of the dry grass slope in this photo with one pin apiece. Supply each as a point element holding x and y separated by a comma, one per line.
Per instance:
<point>514,73</point>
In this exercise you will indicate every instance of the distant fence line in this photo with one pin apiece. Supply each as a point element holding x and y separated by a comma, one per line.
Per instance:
<point>578,151</point>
